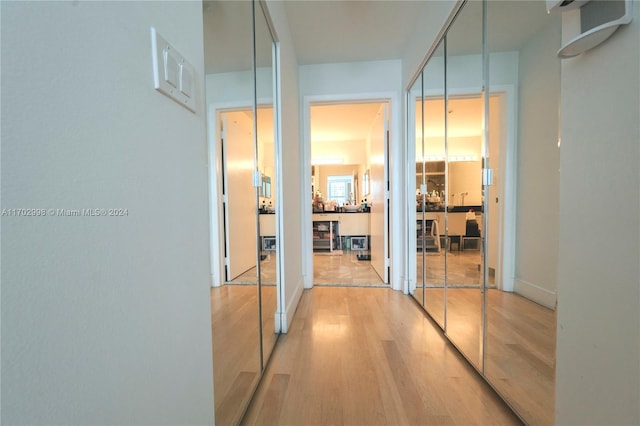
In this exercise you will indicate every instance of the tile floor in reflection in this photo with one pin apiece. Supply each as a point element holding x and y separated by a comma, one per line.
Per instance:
<point>337,268</point>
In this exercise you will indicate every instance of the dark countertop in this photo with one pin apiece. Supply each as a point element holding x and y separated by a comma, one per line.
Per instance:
<point>344,212</point>
<point>455,209</point>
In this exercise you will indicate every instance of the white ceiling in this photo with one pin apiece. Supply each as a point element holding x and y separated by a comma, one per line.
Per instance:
<point>329,31</point>
<point>348,31</point>
<point>345,31</point>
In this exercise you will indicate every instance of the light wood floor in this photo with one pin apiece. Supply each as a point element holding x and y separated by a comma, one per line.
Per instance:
<point>236,345</point>
<point>520,354</point>
<point>369,356</point>
<point>519,348</point>
<point>464,268</point>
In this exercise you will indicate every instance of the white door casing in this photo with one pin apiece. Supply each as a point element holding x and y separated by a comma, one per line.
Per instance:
<point>378,194</point>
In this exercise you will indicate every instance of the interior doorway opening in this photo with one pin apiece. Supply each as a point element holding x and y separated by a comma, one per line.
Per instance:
<point>349,193</point>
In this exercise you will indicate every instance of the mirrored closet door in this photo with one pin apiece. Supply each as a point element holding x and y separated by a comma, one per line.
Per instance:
<point>523,122</point>
<point>239,61</point>
<point>464,146</point>
<point>266,167</point>
<point>427,100</point>
<point>501,80</point>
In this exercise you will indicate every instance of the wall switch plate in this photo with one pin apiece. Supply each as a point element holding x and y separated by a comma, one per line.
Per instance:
<point>173,75</point>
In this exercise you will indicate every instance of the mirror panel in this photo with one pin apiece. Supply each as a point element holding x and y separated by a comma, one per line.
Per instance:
<point>417,268</point>
<point>268,243</point>
<point>465,115</point>
<point>241,132</point>
<point>433,153</point>
<point>521,324</point>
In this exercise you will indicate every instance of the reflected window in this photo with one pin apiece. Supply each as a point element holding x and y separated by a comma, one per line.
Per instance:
<point>339,188</point>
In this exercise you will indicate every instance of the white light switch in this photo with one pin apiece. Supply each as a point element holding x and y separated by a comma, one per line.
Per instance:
<point>173,75</point>
<point>170,67</point>
<point>186,79</point>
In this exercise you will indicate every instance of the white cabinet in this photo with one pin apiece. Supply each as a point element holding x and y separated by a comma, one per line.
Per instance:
<point>268,231</point>
<point>354,223</point>
<point>267,225</point>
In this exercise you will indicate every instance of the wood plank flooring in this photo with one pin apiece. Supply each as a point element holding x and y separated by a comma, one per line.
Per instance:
<point>369,356</point>
<point>519,348</point>
<point>236,349</point>
<point>520,354</point>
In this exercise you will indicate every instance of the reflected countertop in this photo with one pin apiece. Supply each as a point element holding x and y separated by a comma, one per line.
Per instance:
<point>454,209</point>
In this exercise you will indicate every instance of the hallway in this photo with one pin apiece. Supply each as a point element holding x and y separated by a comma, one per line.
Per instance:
<point>365,356</point>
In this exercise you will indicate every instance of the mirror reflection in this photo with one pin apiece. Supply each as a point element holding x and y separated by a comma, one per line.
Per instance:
<point>464,121</point>
<point>417,265</point>
<point>234,308</point>
<point>433,186</point>
<point>239,90</point>
<point>520,318</point>
<point>499,301</point>
<point>268,259</point>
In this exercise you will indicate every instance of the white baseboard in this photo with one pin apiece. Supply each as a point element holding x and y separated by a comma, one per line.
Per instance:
<point>290,309</point>
<point>213,282</point>
<point>538,294</point>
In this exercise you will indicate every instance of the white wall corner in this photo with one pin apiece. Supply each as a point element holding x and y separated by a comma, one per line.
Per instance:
<point>290,310</point>
<point>536,293</point>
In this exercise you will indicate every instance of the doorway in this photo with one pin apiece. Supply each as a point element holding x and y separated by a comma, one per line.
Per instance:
<point>238,180</point>
<point>349,192</point>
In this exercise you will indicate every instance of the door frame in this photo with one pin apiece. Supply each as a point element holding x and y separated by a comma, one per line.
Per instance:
<point>393,162</point>
<point>217,237</point>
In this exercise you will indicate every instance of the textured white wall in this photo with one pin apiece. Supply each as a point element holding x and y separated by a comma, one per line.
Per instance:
<point>105,320</point>
<point>598,352</point>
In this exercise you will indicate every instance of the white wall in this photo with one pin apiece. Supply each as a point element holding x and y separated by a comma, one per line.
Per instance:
<point>290,186</point>
<point>598,350</point>
<point>236,88</point>
<point>349,151</point>
<point>350,78</point>
<point>105,320</point>
<point>466,176</point>
<point>538,167</point>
